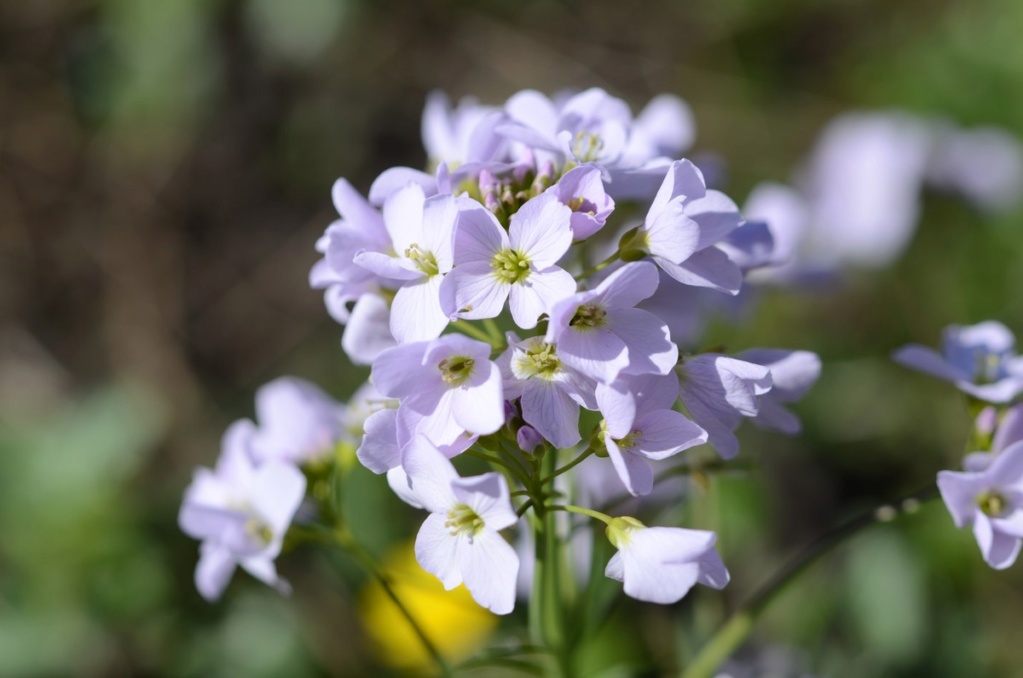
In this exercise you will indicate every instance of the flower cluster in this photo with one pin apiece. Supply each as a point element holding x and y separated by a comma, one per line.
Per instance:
<point>502,294</point>
<point>242,508</point>
<point>988,495</point>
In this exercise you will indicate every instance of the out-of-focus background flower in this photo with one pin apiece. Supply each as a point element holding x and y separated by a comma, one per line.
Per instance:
<point>165,169</point>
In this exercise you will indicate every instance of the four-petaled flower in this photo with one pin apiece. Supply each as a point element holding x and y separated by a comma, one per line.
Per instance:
<point>460,540</point>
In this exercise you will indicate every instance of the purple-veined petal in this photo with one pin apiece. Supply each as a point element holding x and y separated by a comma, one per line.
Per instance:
<point>540,230</point>
<point>651,350</point>
<point>708,267</point>
<point>633,470</point>
<point>538,293</point>
<point>430,475</point>
<point>597,352</point>
<point>398,371</point>
<point>717,216</point>
<point>472,291</point>
<point>682,178</point>
<point>617,404</point>
<point>480,409</point>
<point>403,216</point>
<point>350,204</point>
<point>478,235</point>
<point>439,215</point>
<point>399,483</point>
<point>672,235</point>
<point>368,332</point>
<point>379,450</point>
<point>629,285</point>
<point>415,312</point>
<point>437,551</point>
<point>489,567</point>
<point>666,432</point>
<point>548,409</point>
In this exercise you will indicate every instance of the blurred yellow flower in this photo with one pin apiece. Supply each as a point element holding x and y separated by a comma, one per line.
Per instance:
<point>450,619</point>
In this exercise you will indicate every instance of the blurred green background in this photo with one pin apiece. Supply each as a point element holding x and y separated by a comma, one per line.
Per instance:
<point>165,168</point>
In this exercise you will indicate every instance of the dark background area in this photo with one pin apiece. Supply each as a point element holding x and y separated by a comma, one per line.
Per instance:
<point>165,170</point>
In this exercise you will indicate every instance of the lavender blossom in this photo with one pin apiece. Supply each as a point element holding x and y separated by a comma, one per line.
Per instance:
<point>640,425</point>
<point>601,334</point>
<point>297,422</point>
<point>492,265</point>
<point>991,503</point>
<point>460,540</point>
<point>682,227</point>
<point>979,359</point>
<point>449,385</point>
<point>718,392</point>
<point>241,512</point>
<point>661,564</point>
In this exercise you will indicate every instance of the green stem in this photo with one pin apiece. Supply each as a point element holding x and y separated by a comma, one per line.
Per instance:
<point>546,609</point>
<point>738,626</point>
<point>568,466</point>
<point>597,515</point>
<point>369,564</point>
<point>465,327</point>
<point>596,268</point>
<point>494,332</point>
<point>514,469</point>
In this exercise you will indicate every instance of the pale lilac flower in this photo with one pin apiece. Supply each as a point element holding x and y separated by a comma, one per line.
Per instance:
<point>660,134</point>
<point>661,564</point>
<point>1007,429</point>
<point>665,128</point>
<point>591,126</point>
<point>394,179</point>
<point>718,392</point>
<point>991,502</point>
<point>298,422</point>
<point>368,330</point>
<point>582,190</point>
<point>682,227</point>
<point>600,333</point>
<point>419,254</point>
<point>979,359</point>
<point>361,227</point>
<point>984,165</point>
<point>461,135</point>
<point>863,188</point>
<point>519,265</point>
<point>240,512</point>
<point>379,450</point>
<point>786,214</point>
<point>792,375</point>
<point>550,391</point>
<point>449,382</point>
<point>389,430</point>
<point>460,540</point>
<point>640,425</point>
